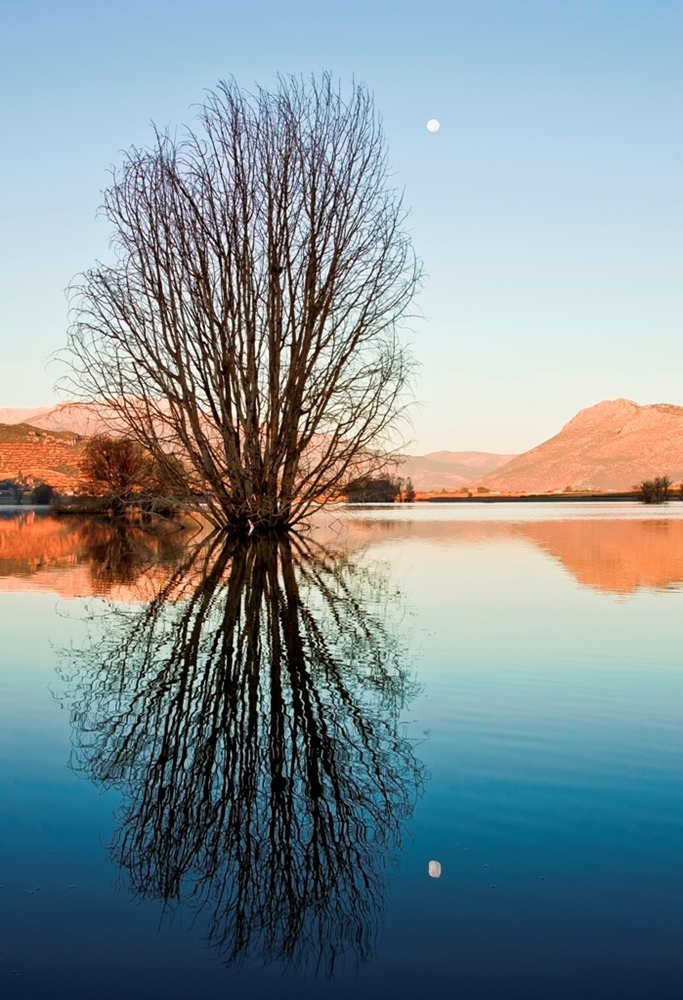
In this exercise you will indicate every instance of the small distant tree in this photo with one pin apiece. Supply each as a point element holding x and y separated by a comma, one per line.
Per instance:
<point>654,490</point>
<point>483,489</point>
<point>409,491</point>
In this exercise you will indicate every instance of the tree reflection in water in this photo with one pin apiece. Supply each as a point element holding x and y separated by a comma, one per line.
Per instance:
<point>249,716</point>
<point>119,553</point>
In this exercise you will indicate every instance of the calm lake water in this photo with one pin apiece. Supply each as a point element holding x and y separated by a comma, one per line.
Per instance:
<point>236,772</point>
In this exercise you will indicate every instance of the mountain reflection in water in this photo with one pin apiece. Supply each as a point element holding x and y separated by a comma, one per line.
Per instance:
<point>248,714</point>
<point>79,557</point>
<point>619,556</point>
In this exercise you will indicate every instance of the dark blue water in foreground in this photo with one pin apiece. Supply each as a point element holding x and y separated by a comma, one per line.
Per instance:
<point>256,767</point>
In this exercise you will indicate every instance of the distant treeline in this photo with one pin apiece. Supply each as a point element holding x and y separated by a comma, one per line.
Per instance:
<point>380,489</point>
<point>18,491</point>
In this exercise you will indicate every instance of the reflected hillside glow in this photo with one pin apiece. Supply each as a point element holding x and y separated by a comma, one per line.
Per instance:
<point>619,551</point>
<point>80,556</point>
<point>249,715</point>
<point>620,555</point>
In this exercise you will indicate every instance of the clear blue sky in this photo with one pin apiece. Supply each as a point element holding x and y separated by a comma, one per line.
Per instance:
<point>547,210</point>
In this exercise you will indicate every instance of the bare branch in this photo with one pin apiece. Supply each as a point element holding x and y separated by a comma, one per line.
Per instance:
<point>247,333</point>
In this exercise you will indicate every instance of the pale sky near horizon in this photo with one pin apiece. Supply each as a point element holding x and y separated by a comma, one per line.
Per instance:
<point>547,208</point>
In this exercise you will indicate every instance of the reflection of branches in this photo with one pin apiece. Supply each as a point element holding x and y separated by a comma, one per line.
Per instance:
<point>250,722</point>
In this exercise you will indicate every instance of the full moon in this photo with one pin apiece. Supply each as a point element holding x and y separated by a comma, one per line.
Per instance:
<point>433,125</point>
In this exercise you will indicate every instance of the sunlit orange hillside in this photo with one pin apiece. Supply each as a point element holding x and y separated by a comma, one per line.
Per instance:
<point>37,455</point>
<point>611,446</point>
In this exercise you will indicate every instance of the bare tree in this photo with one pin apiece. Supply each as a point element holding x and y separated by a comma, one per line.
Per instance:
<point>249,325</point>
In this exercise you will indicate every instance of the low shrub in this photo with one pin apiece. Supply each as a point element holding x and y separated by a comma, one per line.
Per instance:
<point>43,494</point>
<point>654,490</point>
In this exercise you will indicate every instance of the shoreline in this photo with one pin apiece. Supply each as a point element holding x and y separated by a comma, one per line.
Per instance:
<point>535,498</point>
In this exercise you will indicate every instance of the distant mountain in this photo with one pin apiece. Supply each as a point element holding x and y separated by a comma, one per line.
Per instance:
<point>84,419</point>
<point>19,415</point>
<point>449,470</point>
<point>438,470</point>
<point>610,446</point>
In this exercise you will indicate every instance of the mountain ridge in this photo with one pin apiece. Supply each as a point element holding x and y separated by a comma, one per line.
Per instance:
<point>612,445</point>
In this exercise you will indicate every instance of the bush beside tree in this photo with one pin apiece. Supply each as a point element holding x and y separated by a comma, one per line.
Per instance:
<point>369,489</point>
<point>122,473</point>
<point>43,494</point>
